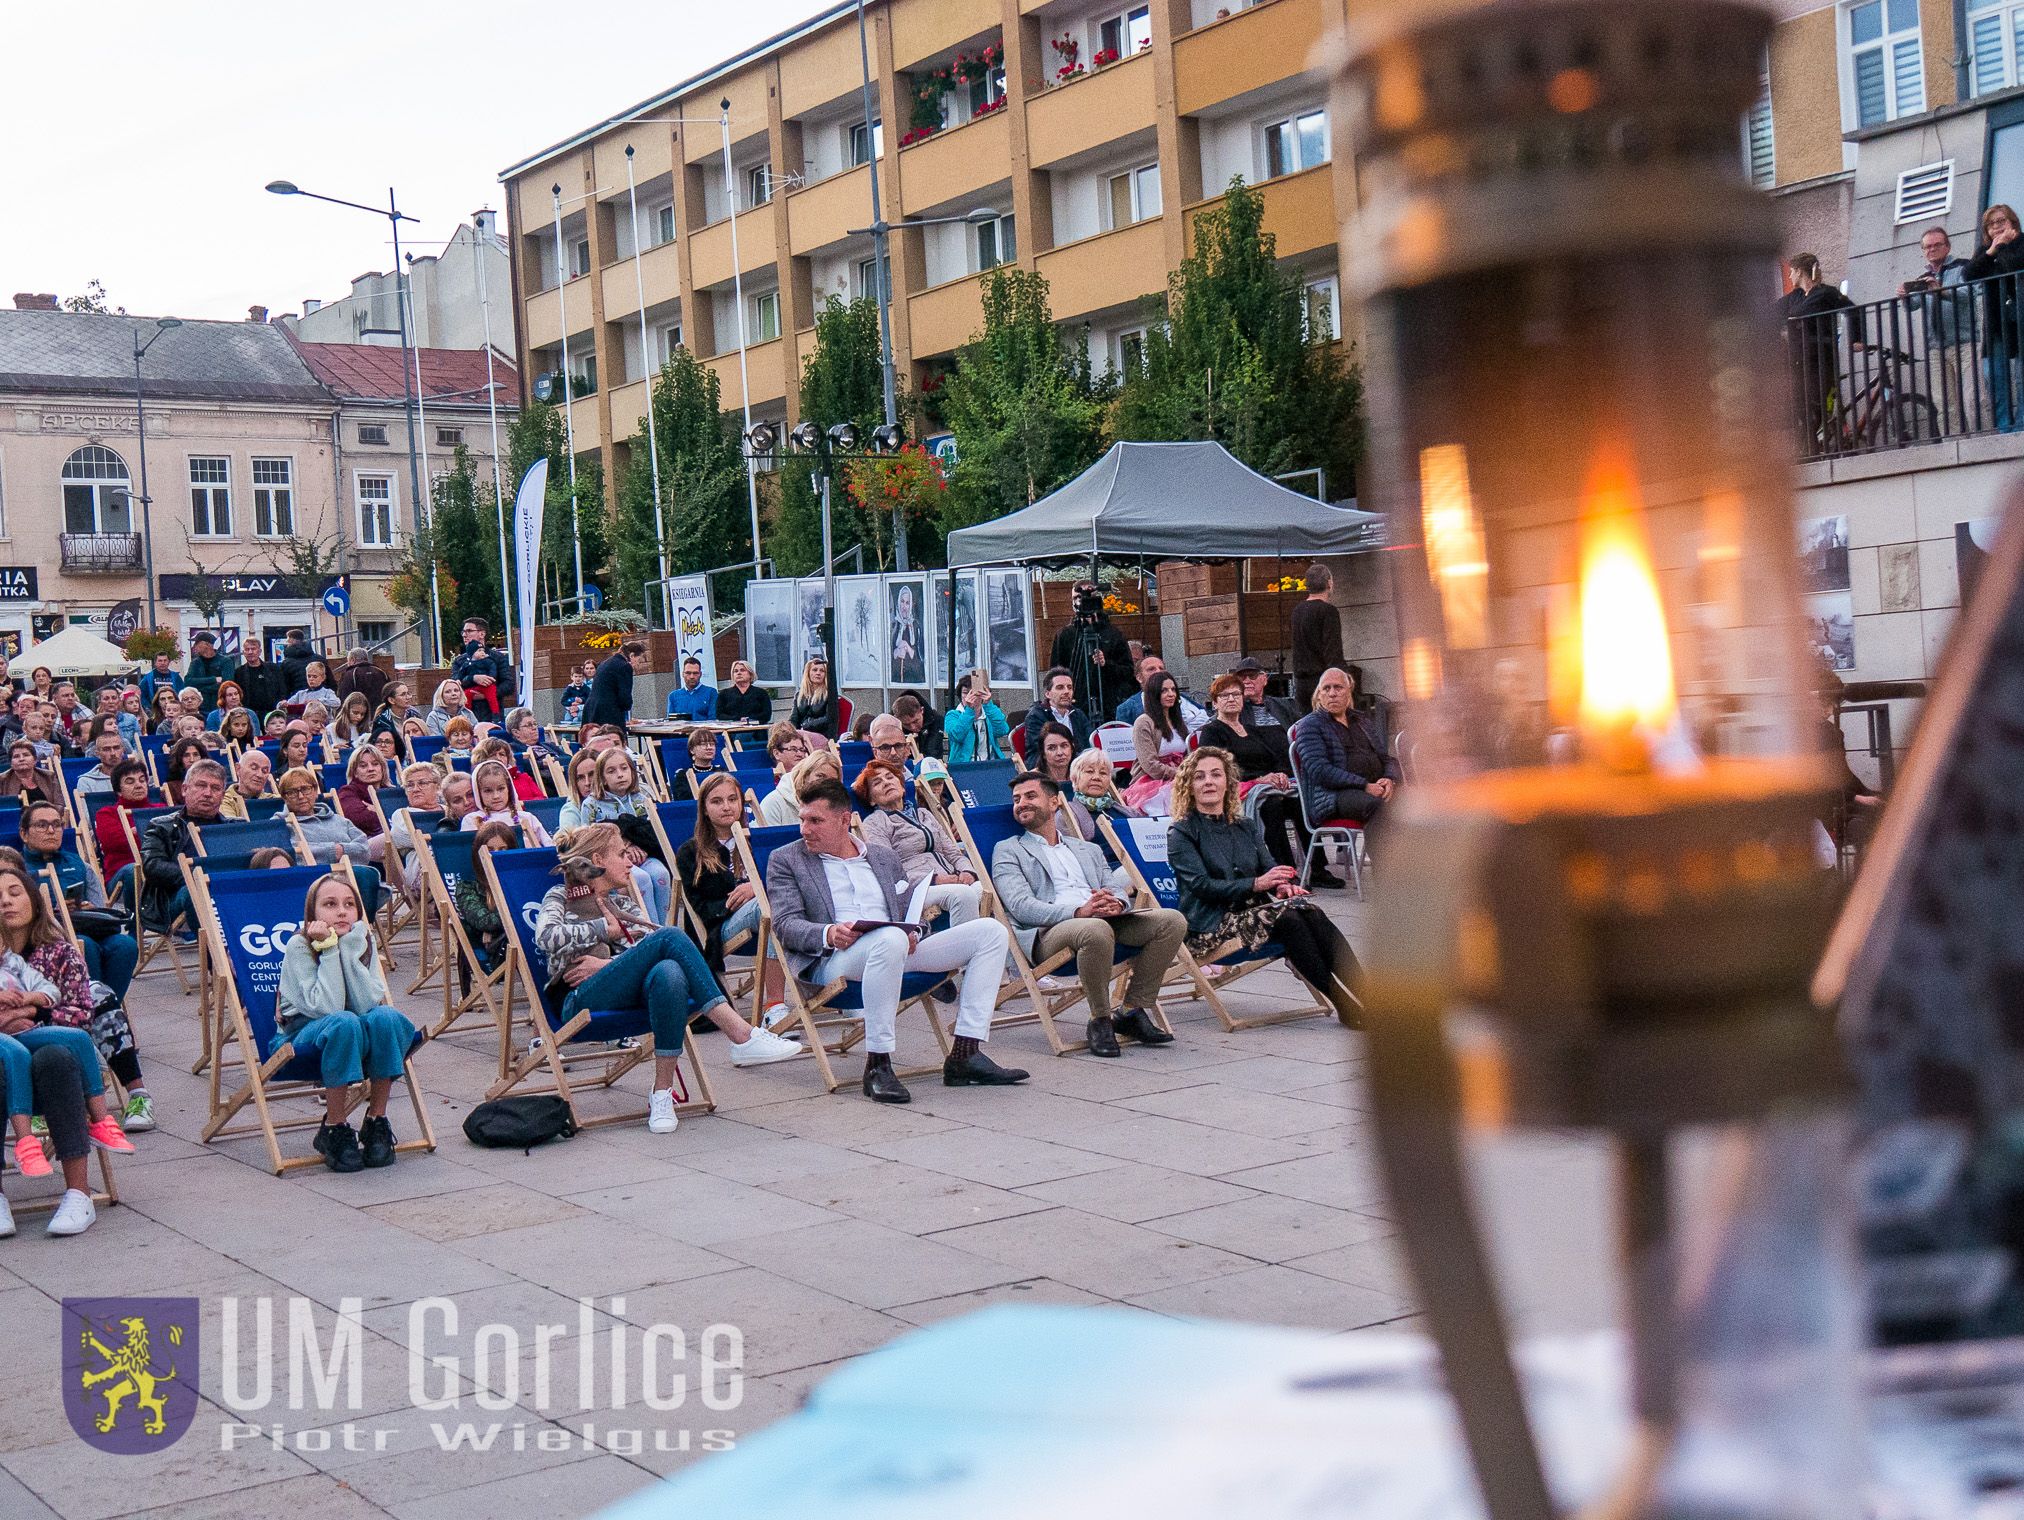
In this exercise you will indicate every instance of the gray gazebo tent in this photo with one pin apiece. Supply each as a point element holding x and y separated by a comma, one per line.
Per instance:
<point>1155,501</point>
<point>1163,501</point>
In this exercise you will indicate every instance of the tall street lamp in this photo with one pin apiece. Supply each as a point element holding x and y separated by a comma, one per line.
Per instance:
<point>395,216</point>
<point>162,325</point>
<point>879,232</point>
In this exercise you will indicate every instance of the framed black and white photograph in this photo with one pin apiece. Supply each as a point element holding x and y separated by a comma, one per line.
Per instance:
<point>860,631</point>
<point>769,631</point>
<point>1823,554</point>
<point>807,623</point>
<point>1830,630</point>
<point>966,626</point>
<point>1008,614</point>
<point>906,630</point>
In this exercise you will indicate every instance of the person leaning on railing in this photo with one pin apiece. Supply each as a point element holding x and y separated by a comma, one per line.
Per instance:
<point>1810,311</point>
<point>2001,254</point>
<point>1935,292</point>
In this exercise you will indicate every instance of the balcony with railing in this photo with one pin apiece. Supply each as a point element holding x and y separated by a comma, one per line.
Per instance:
<point>1931,368</point>
<point>100,553</point>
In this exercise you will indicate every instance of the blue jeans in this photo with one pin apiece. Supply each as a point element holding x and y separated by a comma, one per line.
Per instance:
<point>665,974</point>
<point>121,887</point>
<point>1996,364</point>
<point>112,960</point>
<point>655,888</point>
<point>354,1046</point>
<point>16,1051</point>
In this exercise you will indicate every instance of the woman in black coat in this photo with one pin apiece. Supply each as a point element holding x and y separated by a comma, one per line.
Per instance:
<point>1812,331</point>
<point>2001,254</point>
<point>1230,889</point>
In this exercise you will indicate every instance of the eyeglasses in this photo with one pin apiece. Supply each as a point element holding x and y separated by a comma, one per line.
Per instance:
<point>889,748</point>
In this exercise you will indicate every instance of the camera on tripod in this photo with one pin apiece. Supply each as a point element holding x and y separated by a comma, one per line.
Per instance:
<point>1088,601</point>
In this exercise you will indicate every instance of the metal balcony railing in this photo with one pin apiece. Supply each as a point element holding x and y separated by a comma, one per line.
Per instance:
<point>1922,367</point>
<point>101,553</point>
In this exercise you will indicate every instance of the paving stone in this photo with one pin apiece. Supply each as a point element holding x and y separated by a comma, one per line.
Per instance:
<point>870,1264</point>
<point>908,1198</point>
<point>1277,1295</point>
<point>1102,1256</point>
<point>590,1257</point>
<point>1133,1193</point>
<point>1269,1227</point>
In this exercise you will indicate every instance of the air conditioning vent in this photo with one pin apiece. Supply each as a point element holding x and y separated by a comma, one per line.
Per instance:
<point>1925,193</point>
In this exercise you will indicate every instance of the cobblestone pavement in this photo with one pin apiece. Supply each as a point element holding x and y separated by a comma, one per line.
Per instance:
<point>1227,1175</point>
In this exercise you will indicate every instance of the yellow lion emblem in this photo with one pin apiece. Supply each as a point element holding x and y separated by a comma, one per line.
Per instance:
<point>132,1364</point>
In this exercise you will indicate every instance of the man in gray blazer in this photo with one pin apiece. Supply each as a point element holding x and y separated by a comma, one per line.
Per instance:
<point>827,881</point>
<point>1061,894</point>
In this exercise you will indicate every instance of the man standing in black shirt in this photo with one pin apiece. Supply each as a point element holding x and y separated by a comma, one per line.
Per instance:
<point>262,684</point>
<point>1096,655</point>
<point>611,689</point>
<point>1315,632</point>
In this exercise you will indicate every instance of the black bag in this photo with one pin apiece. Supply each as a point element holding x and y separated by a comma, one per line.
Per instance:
<point>639,833</point>
<point>519,1124</point>
<point>99,923</point>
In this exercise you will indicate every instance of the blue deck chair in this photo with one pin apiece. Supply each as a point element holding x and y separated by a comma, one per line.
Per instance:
<point>333,775</point>
<point>853,755</point>
<point>675,824</point>
<point>1141,845</point>
<point>445,860</point>
<point>831,1016</point>
<point>426,746</point>
<point>548,810</point>
<point>73,772</point>
<point>751,760</point>
<point>262,809</point>
<point>247,919</point>
<point>586,1041</point>
<point>674,755</point>
<point>243,838</point>
<point>984,783</point>
<point>981,830</point>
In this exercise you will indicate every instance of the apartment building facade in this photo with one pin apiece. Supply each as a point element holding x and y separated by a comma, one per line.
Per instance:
<point>239,461</point>
<point>450,291</point>
<point>1081,139</point>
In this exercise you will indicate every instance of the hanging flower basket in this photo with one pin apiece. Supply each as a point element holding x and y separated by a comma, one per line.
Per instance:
<point>990,106</point>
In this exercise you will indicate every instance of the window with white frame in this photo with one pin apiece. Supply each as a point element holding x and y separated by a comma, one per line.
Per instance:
<point>669,339</point>
<point>1321,310</point>
<point>97,492</point>
<point>861,146</point>
<point>579,258</point>
<point>374,493</point>
<point>1995,43</point>
<point>1295,143</point>
<point>661,221</point>
<point>375,631</point>
<point>1760,159</point>
<point>766,316</point>
<point>1132,196</point>
<point>758,185</point>
<point>996,243</point>
<point>986,92</point>
<point>274,498</point>
<point>1128,351</point>
<point>1126,32</point>
<point>449,437</point>
<point>210,495</point>
<point>867,279</point>
<point>1885,68</point>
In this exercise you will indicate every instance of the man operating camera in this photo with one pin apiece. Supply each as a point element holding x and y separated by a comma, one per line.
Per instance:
<point>1095,653</point>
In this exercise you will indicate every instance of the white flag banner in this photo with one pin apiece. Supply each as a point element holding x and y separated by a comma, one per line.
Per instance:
<point>689,609</point>
<point>527,504</point>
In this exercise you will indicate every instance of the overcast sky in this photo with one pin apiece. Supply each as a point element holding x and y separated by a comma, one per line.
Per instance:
<point>141,134</point>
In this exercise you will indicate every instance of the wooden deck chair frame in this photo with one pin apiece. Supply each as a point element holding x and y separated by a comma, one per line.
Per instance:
<point>830,1031</point>
<point>307,854</point>
<point>238,1058</point>
<point>399,913</point>
<point>483,987</point>
<point>1194,968</point>
<point>545,1044</point>
<point>153,942</point>
<point>741,984</point>
<point>1046,1007</point>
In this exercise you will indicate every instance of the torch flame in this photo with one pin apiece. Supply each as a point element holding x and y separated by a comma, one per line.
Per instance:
<point>1626,660</point>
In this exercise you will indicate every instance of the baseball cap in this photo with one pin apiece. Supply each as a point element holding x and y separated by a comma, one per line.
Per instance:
<point>1248,666</point>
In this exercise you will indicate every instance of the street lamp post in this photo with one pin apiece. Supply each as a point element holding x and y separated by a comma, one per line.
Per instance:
<point>823,448</point>
<point>395,216</point>
<point>162,325</point>
<point>879,232</point>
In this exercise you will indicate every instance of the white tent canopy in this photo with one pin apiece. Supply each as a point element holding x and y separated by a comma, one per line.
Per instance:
<point>74,654</point>
<point>1156,501</point>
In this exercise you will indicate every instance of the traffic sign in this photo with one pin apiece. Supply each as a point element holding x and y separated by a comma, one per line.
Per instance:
<point>337,601</point>
<point>593,598</point>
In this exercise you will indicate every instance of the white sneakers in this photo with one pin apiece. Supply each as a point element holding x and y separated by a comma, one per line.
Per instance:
<point>73,1216</point>
<point>764,1048</point>
<point>777,1014</point>
<point>661,1115</point>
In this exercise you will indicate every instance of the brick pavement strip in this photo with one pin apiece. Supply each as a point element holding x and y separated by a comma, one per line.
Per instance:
<point>1227,1176</point>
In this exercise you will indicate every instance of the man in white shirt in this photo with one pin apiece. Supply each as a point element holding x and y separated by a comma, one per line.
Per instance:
<point>828,881</point>
<point>110,749</point>
<point>1061,894</point>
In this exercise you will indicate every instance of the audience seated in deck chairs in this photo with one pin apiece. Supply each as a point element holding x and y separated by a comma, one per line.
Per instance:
<point>601,946</point>
<point>364,774</point>
<point>782,805</point>
<point>686,785</point>
<point>115,854</point>
<point>423,783</point>
<point>110,748</point>
<point>926,849</point>
<point>1230,888</point>
<point>253,780</point>
<point>492,747</point>
<point>975,728</point>
<point>473,895</point>
<point>328,833</point>
<point>605,787</point>
<point>165,900</point>
<point>110,954</point>
<point>725,904</point>
<point>46,1052</point>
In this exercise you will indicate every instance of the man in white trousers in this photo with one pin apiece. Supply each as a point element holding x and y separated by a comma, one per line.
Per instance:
<point>839,910</point>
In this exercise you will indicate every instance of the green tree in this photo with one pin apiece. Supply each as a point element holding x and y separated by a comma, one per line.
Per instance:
<point>1027,411</point>
<point>703,506</point>
<point>539,430</point>
<point>1227,357</point>
<point>465,525</point>
<point>842,380</point>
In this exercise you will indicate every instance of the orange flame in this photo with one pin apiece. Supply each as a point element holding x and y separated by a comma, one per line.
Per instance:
<point>1626,658</point>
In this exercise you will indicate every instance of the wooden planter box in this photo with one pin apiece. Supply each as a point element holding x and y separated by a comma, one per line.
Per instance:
<point>559,649</point>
